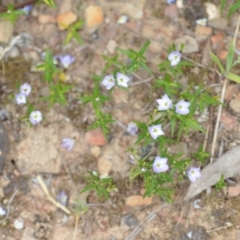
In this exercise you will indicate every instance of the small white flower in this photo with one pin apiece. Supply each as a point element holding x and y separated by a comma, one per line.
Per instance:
<point>182,107</point>
<point>95,173</point>
<point>123,19</point>
<point>174,58</point>
<point>122,80</point>
<point>202,22</point>
<point>25,89</point>
<point>194,173</point>
<point>164,103</point>
<point>27,9</point>
<point>143,169</point>
<point>103,176</point>
<point>108,82</point>
<point>132,128</point>
<point>68,143</point>
<point>20,98</point>
<point>155,131</point>
<point>35,117</point>
<point>160,165</point>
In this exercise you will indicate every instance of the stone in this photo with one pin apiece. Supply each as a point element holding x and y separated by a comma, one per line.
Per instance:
<point>233,191</point>
<point>104,165</point>
<point>130,220</point>
<point>218,23</point>
<point>138,200</point>
<point>64,20</point>
<point>228,120</point>
<point>93,17</point>
<point>212,10</point>
<point>235,105</point>
<point>44,18</point>
<point>96,151</point>
<point>190,44</point>
<point>95,137</point>
<point>222,54</point>
<point>6,30</point>
<point>202,33</point>
<point>38,151</point>
<point>111,46</point>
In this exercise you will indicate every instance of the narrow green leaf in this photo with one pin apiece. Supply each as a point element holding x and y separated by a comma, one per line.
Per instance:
<point>217,61</point>
<point>229,58</point>
<point>233,77</point>
<point>50,3</point>
<point>223,2</point>
<point>144,48</point>
<point>233,8</point>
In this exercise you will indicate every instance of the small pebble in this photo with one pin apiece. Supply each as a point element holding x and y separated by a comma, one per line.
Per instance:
<point>19,223</point>
<point>130,220</point>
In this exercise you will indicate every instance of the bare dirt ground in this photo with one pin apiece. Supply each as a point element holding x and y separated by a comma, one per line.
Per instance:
<point>35,154</point>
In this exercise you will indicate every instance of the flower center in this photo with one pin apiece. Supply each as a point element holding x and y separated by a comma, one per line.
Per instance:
<point>155,130</point>
<point>192,172</point>
<point>158,165</point>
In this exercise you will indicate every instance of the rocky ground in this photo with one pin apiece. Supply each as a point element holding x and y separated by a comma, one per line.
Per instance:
<point>36,158</point>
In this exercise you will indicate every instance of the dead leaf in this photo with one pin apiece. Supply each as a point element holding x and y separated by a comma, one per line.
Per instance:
<point>228,165</point>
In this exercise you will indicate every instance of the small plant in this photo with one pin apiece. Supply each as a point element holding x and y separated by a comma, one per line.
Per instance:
<point>73,32</point>
<point>176,108</point>
<point>11,14</point>
<point>221,184</point>
<point>102,184</point>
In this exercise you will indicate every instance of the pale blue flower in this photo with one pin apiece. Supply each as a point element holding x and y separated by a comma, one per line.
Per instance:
<point>164,103</point>
<point>68,143</point>
<point>62,197</point>
<point>155,131</point>
<point>182,107</point>
<point>35,117</point>
<point>132,128</point>
<point>174,58</point>
<point>160,165</point>
<point>2,211</point>
<point>122,80</point>
<point>27,9</point>
<point>66,60</point>
<point>171,1</point>
<point>108,82</point>
<point>25,89</point>
<point>194,173</point>
<point>20,98</point>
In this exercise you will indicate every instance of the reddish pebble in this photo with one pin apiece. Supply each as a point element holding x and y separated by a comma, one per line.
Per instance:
<point>95,137</point>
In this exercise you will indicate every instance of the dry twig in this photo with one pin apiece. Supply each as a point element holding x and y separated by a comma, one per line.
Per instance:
<point>49,197</point>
